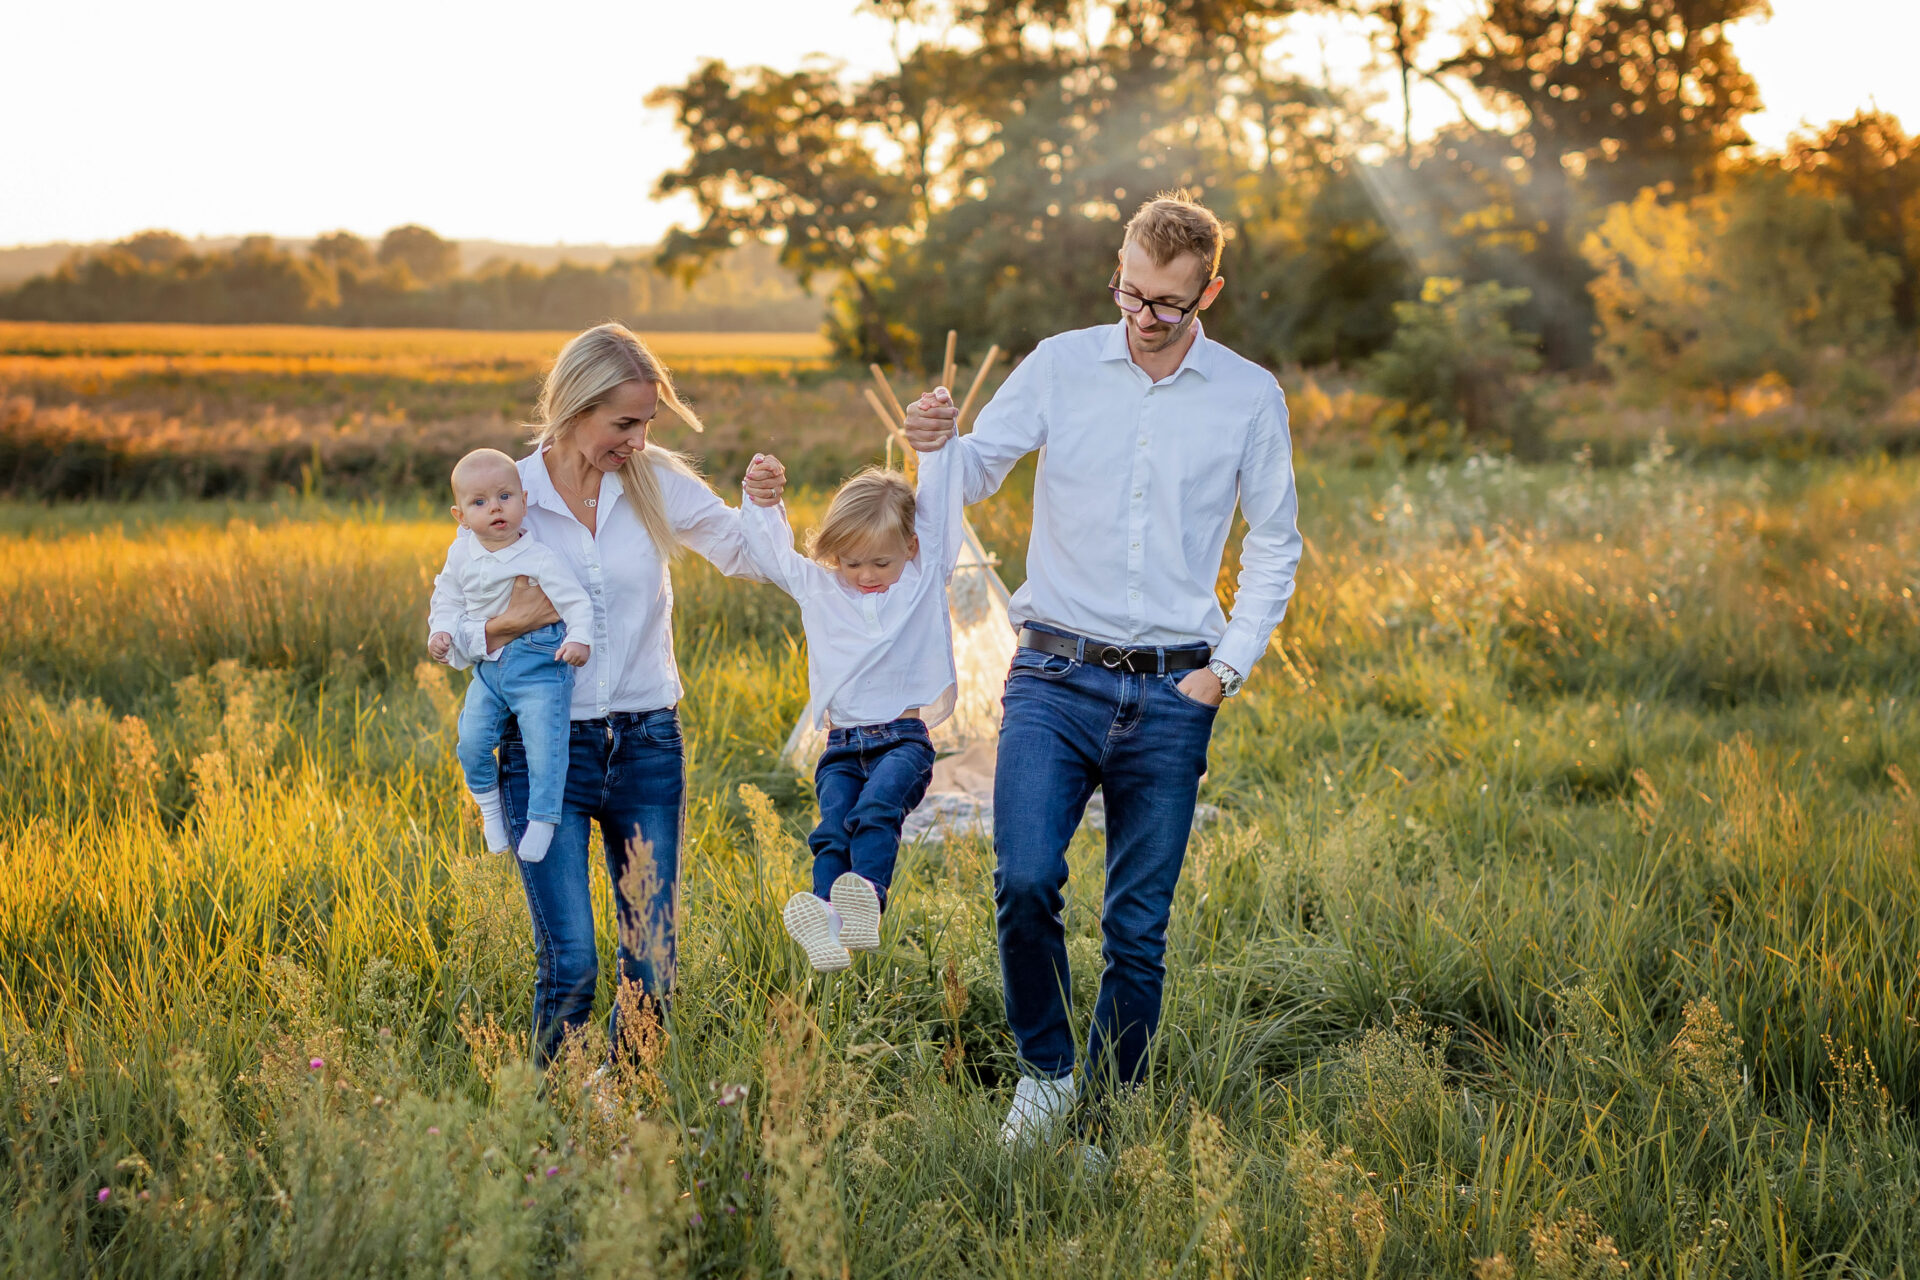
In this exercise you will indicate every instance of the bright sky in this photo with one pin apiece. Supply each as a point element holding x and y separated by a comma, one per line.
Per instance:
<point>525,123</point>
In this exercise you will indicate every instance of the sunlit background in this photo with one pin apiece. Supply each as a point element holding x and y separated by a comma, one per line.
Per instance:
<point>506,122</point>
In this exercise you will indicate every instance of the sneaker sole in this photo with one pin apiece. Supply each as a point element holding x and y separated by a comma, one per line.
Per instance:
<point>809,925</point>
<point>859,908</point>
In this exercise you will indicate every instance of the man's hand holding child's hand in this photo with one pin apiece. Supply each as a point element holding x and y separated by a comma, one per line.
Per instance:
<point>439,644</point>
<point>574,654</point>
<point>766,480</point>
<point>931,419</point>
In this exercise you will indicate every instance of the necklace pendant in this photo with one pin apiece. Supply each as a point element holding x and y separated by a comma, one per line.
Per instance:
<point>593,502</point>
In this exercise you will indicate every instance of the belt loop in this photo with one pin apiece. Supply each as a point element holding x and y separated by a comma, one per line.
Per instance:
<point>1160,652</point>
<point>1079,648</point>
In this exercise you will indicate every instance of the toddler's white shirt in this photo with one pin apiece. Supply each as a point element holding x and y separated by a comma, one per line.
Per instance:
<point>871,656</point>
<point>485,581</point>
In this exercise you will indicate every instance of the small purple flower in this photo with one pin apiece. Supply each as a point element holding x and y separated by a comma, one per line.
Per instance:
<point>732,1093</point>
<point>552,1169</point>
<point>698,1220</point>
<point>729,1210</point>
<point>316,1063</point>
<point>104,1193</point>
<point>434,1129</point>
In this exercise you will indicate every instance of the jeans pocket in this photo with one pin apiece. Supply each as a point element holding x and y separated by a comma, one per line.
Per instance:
<point>1047,666</point>
<point>662,728</point>
<point>1173,686</point>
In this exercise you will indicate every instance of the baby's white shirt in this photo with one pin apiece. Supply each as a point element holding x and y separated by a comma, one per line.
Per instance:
<point>871,656</point>
<point>485,580</point>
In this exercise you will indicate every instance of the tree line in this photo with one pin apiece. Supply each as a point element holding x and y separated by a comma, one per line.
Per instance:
<point>1596,201</point>
<point>410,278</point>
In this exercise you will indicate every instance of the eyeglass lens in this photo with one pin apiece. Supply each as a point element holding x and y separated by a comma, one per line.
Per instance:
<point>1165,313</point>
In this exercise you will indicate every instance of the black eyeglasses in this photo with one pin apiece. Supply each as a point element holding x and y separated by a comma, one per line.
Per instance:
<point>1165,312</point>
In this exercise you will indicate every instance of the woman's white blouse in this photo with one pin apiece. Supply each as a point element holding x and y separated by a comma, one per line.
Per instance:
<point>624,574</point>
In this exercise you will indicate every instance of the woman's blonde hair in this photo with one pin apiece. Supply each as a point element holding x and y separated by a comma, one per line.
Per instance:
<point>875,504</point>
<point>589,367</point>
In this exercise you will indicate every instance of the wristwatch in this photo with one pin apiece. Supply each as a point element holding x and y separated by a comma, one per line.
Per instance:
<point>1230,680</point>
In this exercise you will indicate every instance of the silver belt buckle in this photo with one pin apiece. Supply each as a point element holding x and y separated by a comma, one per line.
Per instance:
<point>1111,656</point>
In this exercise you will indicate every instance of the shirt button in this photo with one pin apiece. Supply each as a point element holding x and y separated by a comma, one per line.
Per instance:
<point>1138,493</point>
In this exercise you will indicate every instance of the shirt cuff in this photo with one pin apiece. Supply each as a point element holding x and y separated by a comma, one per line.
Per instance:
<point>1240,648</point>
<point>473,638</point>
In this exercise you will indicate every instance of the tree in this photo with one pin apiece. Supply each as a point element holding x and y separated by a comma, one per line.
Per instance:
<point>1752,279</point>
<point>155,248</point>
<point>427,257</point>
<point>340,249</point>
<point>1456,368</point>
<point>1871,164</point>
<point>1595,102</point>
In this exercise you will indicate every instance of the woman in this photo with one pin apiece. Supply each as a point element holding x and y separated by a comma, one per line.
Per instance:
<point>615,511</point>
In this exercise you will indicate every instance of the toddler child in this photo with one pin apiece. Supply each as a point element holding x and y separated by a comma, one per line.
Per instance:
<point>872,590</point>
<point>532,677</point>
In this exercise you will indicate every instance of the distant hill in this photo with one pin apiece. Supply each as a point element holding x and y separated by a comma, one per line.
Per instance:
<point>469,284</point>
<point>22,262</point>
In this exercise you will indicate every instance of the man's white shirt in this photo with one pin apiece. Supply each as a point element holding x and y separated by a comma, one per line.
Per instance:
<point>1136,491</point>
<point>871,656</point>
<point>632,666</point>
<point>485,579</point>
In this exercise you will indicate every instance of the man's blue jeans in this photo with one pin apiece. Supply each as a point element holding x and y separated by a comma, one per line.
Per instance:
<point>529,685</point>
<point>627,773</point>
<point>868,779</point>
<point>1070,726</point>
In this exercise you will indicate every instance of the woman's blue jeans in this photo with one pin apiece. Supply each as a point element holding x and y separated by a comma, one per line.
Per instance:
<point>1069,726</point>
<point>868,779</point>
<point>627,773</point>
<point>529,686</point>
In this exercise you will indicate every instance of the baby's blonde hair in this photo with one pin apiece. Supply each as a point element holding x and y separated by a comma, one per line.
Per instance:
<point>874,505</point>
<point>482,460</point>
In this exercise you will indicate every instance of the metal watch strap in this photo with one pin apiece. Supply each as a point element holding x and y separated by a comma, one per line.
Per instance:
<point>1230,680</point>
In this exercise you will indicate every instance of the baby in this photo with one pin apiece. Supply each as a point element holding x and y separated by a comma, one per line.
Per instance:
<point>873,600</point>
<point>532,679</point>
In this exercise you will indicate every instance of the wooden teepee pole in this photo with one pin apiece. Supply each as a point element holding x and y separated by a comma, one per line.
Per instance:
<point>979,380</point>
<point>948,372</point>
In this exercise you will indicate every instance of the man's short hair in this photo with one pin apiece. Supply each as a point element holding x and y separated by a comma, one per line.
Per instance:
<point>1173,223</point>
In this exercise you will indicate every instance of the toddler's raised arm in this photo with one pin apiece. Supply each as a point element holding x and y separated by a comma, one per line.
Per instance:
<point>939,505</point>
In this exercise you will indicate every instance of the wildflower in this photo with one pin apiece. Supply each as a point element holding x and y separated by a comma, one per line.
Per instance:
<point>434,1129</point>
<point>316,1063</point>
<point>552,1169</point>
<point>732,1093</point>
<point>729,1210</point>
<point>697,1220</point>
<point>104,1193</point>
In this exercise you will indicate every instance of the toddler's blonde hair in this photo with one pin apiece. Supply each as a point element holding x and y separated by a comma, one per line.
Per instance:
<point>874,505</point>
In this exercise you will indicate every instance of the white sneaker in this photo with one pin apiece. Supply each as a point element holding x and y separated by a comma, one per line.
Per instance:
<point>815,925</point>
<point>1038,1105</point>
<point>858,903</point>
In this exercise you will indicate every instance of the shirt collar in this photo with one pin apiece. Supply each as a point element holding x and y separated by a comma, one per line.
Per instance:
<point>541,491</point>
<point>1199,357</point>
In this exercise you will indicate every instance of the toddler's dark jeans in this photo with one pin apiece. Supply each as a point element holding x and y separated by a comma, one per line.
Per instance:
<point>868,779</point>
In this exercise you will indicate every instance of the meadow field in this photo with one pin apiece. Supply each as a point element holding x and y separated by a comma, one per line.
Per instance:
<point>1563,919</point>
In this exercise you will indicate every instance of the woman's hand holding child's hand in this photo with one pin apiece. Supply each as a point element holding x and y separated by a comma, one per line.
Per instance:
<point>574,654</point>
<point>439,644</point>
<point>766,480</point>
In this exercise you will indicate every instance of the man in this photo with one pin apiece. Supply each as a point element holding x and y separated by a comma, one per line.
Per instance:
<point>1148,434</point>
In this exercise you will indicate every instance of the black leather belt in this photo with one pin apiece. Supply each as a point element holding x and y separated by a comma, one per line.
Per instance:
<point>1115,657</point>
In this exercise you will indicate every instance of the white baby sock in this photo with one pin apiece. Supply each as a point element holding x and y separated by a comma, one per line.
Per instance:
<point>493,819</point>
<point>533,844</point>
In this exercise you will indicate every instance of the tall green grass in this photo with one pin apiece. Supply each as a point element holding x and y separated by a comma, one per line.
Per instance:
<point>1564,920</point>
